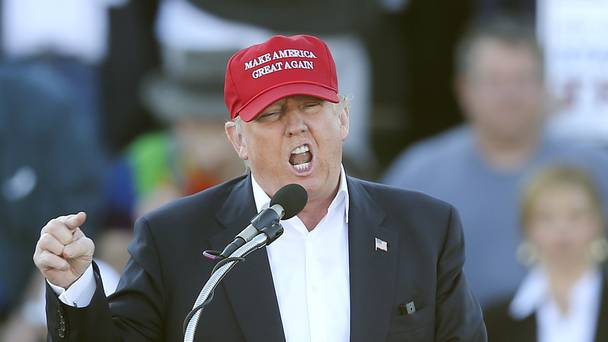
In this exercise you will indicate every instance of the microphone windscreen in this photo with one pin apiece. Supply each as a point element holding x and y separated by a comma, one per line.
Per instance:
<point>292,197</point>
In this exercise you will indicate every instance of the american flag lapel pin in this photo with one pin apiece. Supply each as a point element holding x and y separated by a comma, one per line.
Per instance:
<point>381,245</point>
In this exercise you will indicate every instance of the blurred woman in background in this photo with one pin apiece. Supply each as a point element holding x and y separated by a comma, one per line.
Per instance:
<point>564,297</point>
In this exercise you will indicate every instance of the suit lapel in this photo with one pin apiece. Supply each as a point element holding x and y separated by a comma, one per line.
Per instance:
<point>526,330</point>
<point>372,271</point>
<point>601,330</point>
<point>249,285</point>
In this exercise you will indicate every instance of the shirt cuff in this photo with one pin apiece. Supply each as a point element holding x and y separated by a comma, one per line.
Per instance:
<point>79,294</point>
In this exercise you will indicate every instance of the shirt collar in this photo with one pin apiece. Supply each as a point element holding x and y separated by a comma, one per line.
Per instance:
<point>534,291</point>
<point>262,201</point>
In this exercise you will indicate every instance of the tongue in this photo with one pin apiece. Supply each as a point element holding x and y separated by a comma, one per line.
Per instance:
<point>300,158</point>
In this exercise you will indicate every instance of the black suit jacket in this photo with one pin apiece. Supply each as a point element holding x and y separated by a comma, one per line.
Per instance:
<point>166,271</point>
<point>503,327</point>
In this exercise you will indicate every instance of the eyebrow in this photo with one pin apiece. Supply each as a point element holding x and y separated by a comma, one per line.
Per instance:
<point>280,104</point>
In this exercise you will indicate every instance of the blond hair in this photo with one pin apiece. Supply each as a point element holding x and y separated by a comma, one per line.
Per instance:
<point>555,176</point>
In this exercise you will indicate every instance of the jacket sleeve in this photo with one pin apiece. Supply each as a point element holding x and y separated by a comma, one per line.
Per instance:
<point>458,314</point>
<point>133,313</point>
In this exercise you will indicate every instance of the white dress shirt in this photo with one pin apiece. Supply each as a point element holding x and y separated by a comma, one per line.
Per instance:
<point>310,272</point>
<point>82,290</point>
<point>579,324</point>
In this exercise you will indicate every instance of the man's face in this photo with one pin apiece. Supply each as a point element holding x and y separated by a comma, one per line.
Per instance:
<point>297,139</point>
<point>502,92</point>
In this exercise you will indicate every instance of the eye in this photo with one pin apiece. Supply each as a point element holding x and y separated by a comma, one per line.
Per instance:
<point>312,105</point>
<point>268,116</point>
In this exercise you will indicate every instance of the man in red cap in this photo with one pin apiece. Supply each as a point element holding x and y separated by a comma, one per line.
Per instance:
<point>361,261</point>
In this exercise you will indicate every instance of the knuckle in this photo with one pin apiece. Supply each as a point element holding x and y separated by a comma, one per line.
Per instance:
<point>62,235</point>
<point>39,247</point>
<point>86,246</point>
<point>39,243</point>
<point>55,222</point>
<point>88,243</point>
<point>36,258</point>
<point>43,259</point>
<point>76,249</point>
<point>47,241</point>
<point>46,228</point>
<point>50,227</point>
<point>45,238</point>
<point>91,248</point>
<point>69,251</point>
<point>46,258</point>
<point>78,234</point>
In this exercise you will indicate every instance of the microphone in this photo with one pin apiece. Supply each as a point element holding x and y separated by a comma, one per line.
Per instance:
<point>285,204</point>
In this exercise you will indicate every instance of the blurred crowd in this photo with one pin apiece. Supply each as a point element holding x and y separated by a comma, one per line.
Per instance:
<point>115,107</point>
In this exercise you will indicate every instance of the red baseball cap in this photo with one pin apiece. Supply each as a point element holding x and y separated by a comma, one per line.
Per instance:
<point>282,66</point>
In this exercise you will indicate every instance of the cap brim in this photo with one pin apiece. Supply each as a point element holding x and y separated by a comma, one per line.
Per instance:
<point>257,105</point>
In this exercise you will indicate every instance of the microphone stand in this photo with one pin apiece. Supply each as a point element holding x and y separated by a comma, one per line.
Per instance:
<point>267,236</point>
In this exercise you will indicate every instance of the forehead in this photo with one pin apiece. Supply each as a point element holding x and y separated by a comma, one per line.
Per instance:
<point>562,193</point>
<point>494,51</point>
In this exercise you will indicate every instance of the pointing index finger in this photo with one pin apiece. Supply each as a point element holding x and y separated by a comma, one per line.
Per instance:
<point>75,220</point>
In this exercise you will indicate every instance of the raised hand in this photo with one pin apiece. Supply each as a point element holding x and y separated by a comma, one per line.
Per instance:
<point>63,252</point>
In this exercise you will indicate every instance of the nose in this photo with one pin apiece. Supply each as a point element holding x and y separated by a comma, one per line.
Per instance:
<point>295,123</point>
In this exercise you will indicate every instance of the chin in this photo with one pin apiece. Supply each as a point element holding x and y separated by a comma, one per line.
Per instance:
<point>309,183</point>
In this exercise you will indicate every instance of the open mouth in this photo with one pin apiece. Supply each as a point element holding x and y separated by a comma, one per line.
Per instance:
<point>301,158</point>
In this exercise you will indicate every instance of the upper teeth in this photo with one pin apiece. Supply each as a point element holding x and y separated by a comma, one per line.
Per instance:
<point>300,149</point>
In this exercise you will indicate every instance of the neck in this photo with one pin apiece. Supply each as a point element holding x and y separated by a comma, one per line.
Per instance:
<point>562,280</point>
<point>317,206</point>
<point>314,212</point>
<point>508,153</point>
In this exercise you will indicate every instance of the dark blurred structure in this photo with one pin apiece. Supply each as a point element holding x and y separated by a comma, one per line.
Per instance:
<point>132,52</point>
<point>493,8</point>
<point>50,166</point>
<point>429,31</point>
<point>298,16</point>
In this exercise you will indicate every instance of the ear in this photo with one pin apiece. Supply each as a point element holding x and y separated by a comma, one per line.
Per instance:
<point>344,120</point>
<point>462,90</point>
<point>236,139</point>
<point>459,86</point>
